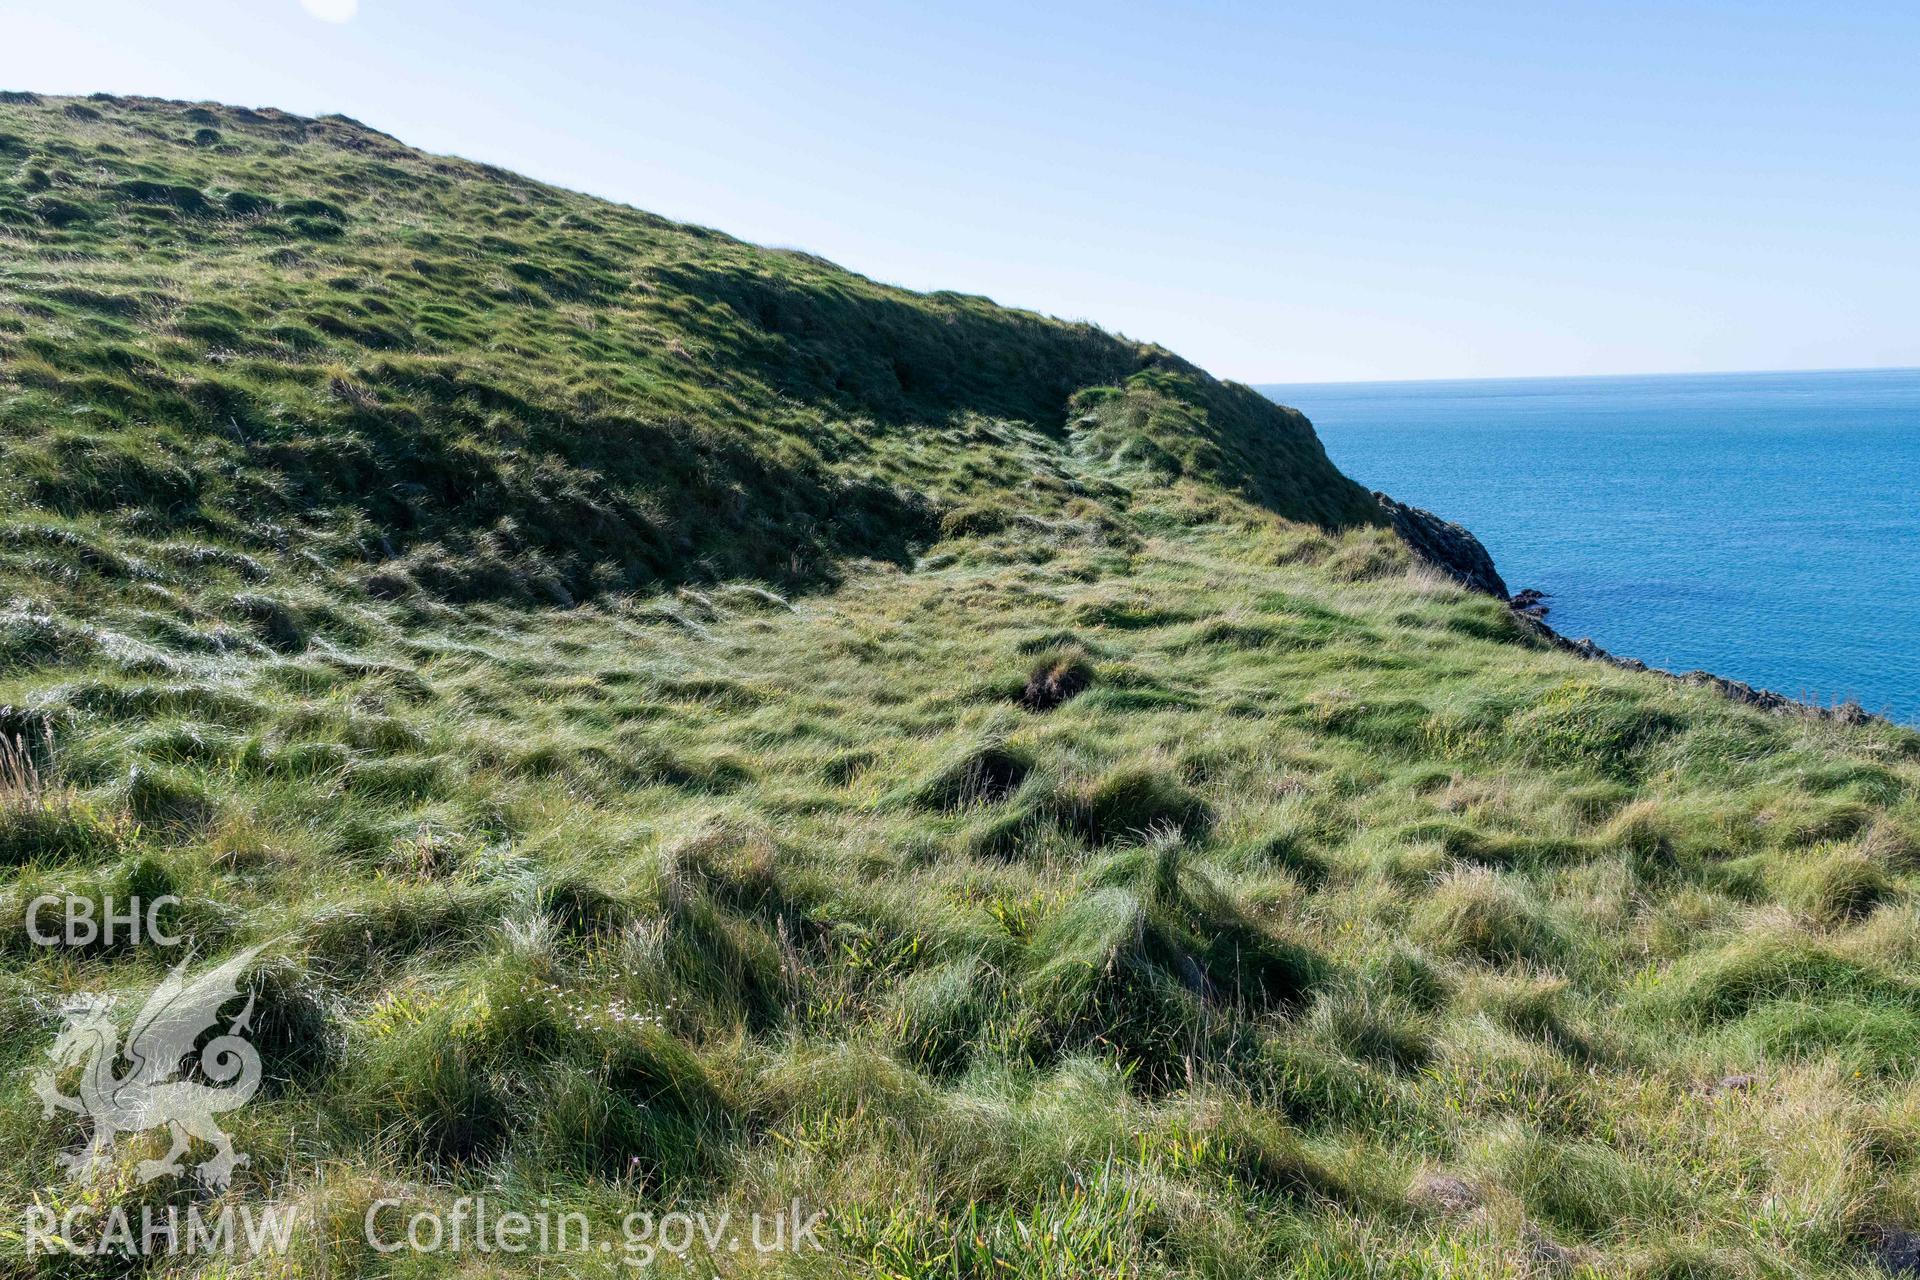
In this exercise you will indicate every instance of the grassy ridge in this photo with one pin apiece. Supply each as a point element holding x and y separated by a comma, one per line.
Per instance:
<point>507,386</point>
<point>698,728</point>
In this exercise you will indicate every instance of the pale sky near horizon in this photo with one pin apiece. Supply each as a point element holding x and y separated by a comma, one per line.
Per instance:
<point>1280,192</point>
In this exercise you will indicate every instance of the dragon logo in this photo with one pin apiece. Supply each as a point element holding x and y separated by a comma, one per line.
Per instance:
<point>147,1095</point>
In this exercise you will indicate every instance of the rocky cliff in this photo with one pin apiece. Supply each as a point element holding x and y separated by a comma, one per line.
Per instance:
<point>1444,545</point>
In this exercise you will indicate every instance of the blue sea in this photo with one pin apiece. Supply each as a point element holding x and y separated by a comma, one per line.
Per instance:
<point>1763,526</point>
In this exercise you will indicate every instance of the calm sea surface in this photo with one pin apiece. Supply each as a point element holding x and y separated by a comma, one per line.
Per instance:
<point>1764,526</point>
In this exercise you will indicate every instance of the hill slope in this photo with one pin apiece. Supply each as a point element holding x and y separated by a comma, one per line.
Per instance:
<point>507,384</point>
<point>692,728</point>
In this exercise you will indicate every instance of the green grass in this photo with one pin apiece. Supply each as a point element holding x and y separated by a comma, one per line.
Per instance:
<point>599,657</point>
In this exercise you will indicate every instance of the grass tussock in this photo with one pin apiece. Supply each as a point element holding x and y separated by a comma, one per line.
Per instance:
<point>43,823</point>
<point>1056,677</point>
<point>1477,914</point>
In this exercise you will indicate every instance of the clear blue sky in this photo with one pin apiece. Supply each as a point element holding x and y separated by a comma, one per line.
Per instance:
<point>1282,192</point>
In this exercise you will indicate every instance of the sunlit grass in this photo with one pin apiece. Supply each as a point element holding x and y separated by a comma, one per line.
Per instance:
<point>697,729</point>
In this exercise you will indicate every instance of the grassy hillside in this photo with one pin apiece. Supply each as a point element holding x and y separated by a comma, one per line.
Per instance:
<point>516,392</point>
<point>694,728</point>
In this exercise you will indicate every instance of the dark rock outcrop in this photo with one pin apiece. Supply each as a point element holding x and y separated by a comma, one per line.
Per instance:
<point>1530,602</point>
<point>1444,545</point>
